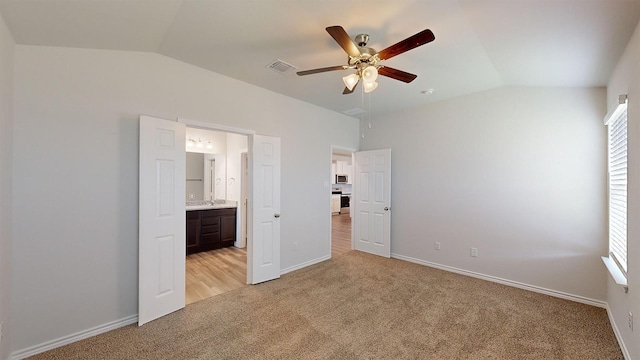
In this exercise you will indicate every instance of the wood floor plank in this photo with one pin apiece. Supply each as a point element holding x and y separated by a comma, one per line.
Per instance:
<point>340,234</point>
<point>215,272</point>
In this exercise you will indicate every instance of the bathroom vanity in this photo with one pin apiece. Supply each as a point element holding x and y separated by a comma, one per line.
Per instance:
<point>210,226</point>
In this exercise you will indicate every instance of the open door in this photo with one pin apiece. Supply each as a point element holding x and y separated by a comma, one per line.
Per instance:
<point>161,283</point>
<point>264,248</point>
<point>372,190</point>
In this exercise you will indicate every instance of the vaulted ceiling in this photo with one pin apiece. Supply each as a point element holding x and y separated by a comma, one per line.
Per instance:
<point>480,44</point>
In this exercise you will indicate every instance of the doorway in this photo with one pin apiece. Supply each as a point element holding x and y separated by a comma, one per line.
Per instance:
<point>162,213</point>
<point>341,204</point>
<point>214,183</point>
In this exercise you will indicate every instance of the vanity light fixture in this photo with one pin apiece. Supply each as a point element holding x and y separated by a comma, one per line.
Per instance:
<point>209,145</point>
<point>191,142</point>
<point>199,144</point>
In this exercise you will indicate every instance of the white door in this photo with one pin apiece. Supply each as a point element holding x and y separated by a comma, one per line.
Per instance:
<point>372,201</point>
<point>264,248</point>
<point>161,264</point>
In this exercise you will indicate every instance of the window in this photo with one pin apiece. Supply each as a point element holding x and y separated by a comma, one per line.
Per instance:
<point>616,122</point>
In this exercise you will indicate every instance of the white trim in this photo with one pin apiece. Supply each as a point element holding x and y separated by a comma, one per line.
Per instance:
<point>305,264</point>
<point>516,284</point>
<point>616,331</point>
<point>616,110</point>
<point>80,335</point>
<point>617,274</point>
<point>216,127</point>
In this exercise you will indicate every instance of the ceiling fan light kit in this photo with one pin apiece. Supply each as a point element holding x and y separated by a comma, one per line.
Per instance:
<point>366,60</point>
<point>369,86</point>
<point>350,81</point>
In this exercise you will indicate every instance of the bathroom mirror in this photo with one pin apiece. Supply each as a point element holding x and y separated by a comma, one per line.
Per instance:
<point>206,177</point>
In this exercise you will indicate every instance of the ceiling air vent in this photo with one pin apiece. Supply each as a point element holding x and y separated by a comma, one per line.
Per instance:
<point>281,67</point>
<point>354,111</point>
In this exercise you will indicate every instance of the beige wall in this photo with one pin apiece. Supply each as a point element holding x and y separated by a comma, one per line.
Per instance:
<point>76,165</point>
<point>7,48</point>
<point>518,173</point>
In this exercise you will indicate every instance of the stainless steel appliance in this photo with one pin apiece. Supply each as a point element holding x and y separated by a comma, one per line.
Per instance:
<point>345,200</point>
<point>342,179</point>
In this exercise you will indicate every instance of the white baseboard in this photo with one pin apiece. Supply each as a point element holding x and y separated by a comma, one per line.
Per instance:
<point>616,331</point>
<point>65,340</point>
<point>541,290</point>
<point>304,264</point>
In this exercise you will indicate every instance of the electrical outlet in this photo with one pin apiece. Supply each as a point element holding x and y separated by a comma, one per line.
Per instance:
<point>474,252</point>
<point>630,321</point>
<point>190,196</point>
<point>437,245</point>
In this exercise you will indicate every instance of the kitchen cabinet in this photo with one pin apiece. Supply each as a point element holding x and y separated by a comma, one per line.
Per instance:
<point>210,229</point>
<point>333,172</point>
<point>335,203</point>
<point>342,168</point>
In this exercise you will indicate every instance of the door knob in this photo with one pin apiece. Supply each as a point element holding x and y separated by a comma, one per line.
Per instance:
<point>276,215</point>
<point>386,208</point>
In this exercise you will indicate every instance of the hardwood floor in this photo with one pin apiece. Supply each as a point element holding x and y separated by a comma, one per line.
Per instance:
<point>340,234</point>
<point>215,272</point>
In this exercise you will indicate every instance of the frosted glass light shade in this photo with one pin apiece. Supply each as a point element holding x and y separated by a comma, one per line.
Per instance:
<point>369,86</point>
<point>370,74</point>
<point>350,81</point>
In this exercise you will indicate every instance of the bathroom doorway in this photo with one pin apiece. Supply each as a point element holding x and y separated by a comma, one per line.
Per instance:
<point>220,174</point>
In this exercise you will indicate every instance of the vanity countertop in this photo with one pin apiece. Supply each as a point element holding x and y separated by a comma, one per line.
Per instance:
<point>208,205</point>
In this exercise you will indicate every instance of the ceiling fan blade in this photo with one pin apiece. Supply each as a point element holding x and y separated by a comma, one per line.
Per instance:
<point>343,39</point>
<point>396,74</point>
<point>346,90</point>
<point>412,42</point>
<point>320,70</point>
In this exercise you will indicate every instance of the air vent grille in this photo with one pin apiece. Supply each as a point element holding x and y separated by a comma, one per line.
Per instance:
<point>354,111</point>
<point>281,67</point>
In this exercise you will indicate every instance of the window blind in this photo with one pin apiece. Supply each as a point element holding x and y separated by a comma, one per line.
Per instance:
<point>617,126</point>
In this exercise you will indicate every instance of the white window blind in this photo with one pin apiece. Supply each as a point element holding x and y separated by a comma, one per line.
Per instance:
<point>617,128</point>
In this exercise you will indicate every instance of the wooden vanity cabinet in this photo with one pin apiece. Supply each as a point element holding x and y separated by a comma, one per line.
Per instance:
<point>227,227</point>
<point>193,231</point>
<point>210,229</point>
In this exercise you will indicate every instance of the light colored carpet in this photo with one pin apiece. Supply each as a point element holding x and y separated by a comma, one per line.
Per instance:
<point>358,306</point>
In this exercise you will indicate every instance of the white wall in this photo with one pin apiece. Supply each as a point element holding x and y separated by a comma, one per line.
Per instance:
<point>7,48</point>
<point>76,169</point>
<point>235,143</point>
<point>518,173</point>
<point>625,80</point>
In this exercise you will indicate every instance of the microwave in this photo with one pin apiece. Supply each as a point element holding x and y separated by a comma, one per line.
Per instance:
<point>341,179</point>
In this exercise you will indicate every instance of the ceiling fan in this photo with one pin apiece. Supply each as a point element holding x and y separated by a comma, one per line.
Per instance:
<point>366,61</point>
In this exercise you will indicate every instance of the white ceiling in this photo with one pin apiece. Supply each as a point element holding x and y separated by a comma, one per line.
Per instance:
<point>480,44</point>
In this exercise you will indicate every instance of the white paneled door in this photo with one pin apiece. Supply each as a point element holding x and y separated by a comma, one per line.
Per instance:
<point>161,283</point>
<point>372,190</point>
<point>264,247</point>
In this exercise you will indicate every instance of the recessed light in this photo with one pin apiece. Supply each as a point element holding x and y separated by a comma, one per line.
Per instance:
<point>427,91</point>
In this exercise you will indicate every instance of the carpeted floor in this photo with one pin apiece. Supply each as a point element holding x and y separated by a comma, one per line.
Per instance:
<point>360,306</point>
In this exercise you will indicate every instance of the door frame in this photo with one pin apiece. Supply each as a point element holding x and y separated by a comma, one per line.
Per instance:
<point>249,133</point>
<point>242,228</point>
<point>353,191</point>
